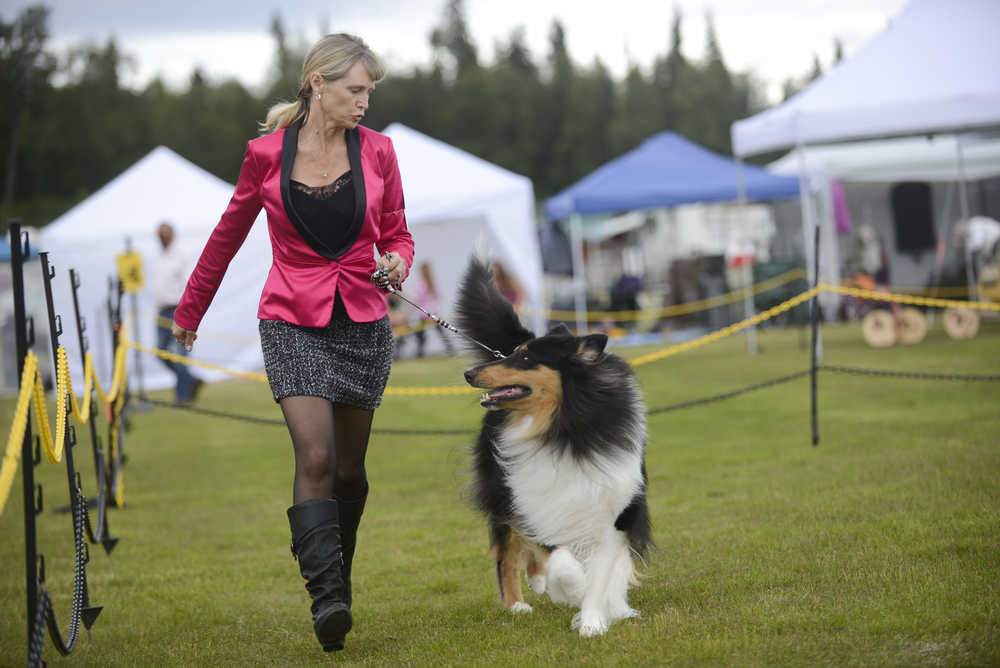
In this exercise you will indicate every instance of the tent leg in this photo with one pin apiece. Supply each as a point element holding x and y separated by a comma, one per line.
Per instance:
<point>963,198</point>
<point>748,308</point>
<point>579,273</point>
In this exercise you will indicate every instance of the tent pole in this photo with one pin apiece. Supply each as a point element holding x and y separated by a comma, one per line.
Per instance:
<point>963,199</point>
<point>748,307</point>
<point>811,229</point>
<point>579,273</point>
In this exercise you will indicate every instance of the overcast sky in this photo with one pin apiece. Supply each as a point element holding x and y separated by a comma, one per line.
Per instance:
<point>774,38</point>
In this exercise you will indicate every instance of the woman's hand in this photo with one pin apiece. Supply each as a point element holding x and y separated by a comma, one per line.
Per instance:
<point>185,337</point>
<point>394,266</point>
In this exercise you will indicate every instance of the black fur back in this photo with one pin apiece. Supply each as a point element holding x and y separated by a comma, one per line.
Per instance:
<point>483,313</point>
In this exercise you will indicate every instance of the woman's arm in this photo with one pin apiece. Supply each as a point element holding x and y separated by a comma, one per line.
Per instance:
<point>394,237</point>
<point>227,237</point>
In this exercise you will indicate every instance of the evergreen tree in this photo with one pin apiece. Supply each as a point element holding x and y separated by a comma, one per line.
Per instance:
<point>25,69</point>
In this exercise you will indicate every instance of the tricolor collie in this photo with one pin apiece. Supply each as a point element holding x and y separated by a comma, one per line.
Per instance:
<point>558,466</point>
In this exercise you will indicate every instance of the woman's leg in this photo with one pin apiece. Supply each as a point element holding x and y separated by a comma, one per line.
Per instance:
<point>311,426</point>
<point>314,517</point>
<point>351,429</point>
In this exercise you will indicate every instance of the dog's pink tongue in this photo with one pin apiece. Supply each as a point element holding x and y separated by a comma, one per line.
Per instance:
<point>503,393</point>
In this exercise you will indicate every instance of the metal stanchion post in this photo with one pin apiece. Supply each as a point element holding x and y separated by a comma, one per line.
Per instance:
<point>815,337</point>
<point>23,341</point>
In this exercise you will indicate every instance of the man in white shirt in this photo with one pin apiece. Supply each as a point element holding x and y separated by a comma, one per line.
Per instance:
<point>170,275</point>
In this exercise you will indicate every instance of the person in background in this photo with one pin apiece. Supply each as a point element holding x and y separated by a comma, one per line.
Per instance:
<point>170,271</point>
<point>507,284</point>
<point>333,196</point>
<point>425,293</point>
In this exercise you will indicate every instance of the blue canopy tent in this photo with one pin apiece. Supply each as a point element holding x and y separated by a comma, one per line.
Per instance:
<point>667,170</point>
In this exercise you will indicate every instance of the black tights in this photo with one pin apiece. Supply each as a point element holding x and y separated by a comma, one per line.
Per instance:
<point>330,442</point>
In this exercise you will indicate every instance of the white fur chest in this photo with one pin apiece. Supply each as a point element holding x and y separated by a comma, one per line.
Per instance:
<point>562,500</point>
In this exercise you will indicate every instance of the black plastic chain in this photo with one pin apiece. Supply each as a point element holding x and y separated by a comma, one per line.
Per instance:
<point>916,375</point>
<point>281,423</point>
<point>79,584</point>
<point>728,395</point>
<point>37,644</point>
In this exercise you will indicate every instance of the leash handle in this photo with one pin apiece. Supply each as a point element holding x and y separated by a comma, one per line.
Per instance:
<point>381,280</point>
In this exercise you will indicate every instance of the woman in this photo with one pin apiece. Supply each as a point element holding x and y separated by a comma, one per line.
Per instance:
<point>332,192</point>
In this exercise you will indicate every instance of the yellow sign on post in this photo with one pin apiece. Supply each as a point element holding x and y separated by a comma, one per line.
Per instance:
<point>130,271</point>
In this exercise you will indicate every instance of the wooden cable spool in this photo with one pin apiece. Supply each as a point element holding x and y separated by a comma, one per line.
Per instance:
<point>879,328</point>
<point>911,326</point>
<point>961,322</point>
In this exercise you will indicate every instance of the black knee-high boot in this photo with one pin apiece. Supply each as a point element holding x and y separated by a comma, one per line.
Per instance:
<point>350,517</point>
<point>316,543</point>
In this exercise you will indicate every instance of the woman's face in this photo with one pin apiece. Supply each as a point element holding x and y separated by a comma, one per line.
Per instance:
<point>344,101</point>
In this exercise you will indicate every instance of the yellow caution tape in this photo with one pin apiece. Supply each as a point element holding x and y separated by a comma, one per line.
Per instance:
<point>17,429</point>
<point>686,307</point>
<point>31,393</point>
<point>910,299</point>
<point>174,357</point>
<point>674,310</point>
<point>726,331</point>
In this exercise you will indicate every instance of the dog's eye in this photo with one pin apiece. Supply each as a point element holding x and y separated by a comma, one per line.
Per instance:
<point>525,358</point>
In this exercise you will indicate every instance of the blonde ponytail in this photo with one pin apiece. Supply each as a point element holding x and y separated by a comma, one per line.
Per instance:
<point>332,56</point>
<point>283,114</point>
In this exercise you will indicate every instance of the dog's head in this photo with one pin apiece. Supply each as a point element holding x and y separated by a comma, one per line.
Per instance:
<point>530,379</point>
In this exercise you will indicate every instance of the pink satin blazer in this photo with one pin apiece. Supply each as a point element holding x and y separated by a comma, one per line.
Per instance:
<point>304,276</point>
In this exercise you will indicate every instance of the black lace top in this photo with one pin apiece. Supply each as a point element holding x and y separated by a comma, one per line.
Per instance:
<point>326,210</point>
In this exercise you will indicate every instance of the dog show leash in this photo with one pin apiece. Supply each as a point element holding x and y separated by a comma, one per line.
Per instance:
<point>381,279</point>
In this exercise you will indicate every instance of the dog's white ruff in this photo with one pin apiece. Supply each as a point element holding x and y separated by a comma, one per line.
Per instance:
<point>593,566</point>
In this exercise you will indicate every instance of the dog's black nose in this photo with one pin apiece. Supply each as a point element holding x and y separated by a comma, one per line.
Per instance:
<point>470,376</point>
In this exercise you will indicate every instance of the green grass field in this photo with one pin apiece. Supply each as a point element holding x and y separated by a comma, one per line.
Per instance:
<point>879,547</point>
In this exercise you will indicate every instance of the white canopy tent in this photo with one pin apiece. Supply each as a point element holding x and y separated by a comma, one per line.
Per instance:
<point>933,69</point>
<point>456,203</point>
<point>899,159</point>
<point>162,186</point>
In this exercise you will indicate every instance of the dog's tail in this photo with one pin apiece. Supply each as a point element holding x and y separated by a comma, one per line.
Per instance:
<point>483,313</point>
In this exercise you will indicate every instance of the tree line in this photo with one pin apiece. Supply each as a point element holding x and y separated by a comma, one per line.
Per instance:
<point>69,125</point>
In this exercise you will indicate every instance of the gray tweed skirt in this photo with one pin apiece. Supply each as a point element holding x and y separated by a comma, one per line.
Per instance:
<point>345,362</point>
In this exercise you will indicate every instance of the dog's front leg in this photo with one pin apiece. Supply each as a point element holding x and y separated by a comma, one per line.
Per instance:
<point>564,577</point>
<point>538,557</point>
<point>607,576</point>
<point>509,553</point>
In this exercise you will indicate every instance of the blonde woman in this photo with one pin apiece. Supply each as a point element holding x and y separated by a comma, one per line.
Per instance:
<point>332,193</point>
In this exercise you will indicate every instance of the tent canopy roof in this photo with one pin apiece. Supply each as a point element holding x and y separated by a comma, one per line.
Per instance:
<point>934,69</point>
<point>666,170</point>
<point>441,181</point>
<point>160,186</point>
<point>901,159</point>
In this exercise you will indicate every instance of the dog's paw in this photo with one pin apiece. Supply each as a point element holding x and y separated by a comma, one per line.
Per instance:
<point>565,578</point>
<point>537,583</point>
<point>589,625</point>
<point>520,608</point>
<point>624,613</point>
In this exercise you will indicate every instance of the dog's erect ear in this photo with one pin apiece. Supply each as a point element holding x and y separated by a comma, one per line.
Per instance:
<point>591,346</point>
<point>560,330</point>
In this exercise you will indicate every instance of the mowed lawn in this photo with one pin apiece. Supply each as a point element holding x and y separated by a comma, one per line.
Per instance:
<point>879,547</point>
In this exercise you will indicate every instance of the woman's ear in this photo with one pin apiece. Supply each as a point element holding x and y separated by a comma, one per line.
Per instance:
<point>316,82</point>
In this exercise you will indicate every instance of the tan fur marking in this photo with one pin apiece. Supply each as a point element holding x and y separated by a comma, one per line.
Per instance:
<point>546,390</point>
<point>537,558</point>
<point>511,560</point>
<point>517,555</point>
